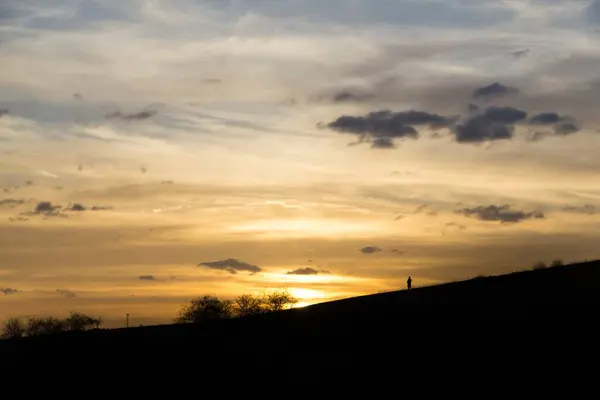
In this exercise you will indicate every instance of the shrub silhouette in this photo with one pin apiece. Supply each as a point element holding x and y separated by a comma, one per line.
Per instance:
<point>13,328</point>
<point>205,308</point>
<point>44,326</point>
<point>539,265</point>
<point>81,322</point>
<point>557,263</point>
<point>36,326</point>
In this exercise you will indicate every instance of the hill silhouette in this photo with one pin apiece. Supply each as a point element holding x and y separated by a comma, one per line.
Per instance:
<point>339,333</point>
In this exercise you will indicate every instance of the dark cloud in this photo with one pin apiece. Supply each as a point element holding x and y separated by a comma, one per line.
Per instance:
<point>492,91</point>
<point>566,128</point>
<point>78,96</point>
<point>3,112</point>
<point>347,96</point>
<point>588,209</point>
<point>380,127</point>
<point>501,213</point>
<point>47,209</point>
<point>343,96</point>
<point>11,202</point>
<point>546,118</point>
<point>591,13</point>
<point>9,291</point>
<point>66,293</point>
<point>399,252</point>
<point>494,123</point>
<point>479,124</point>
<point>504,115</point>
<point>562,125</point>
<point>146,278</point>
<point>383,143</point>
<point>232,266</point>
<point>520,53</point>
<point>101,208</point>
<point>307,271</point>
<point>133,116</point>
<point>76,207</point>
<point>370,250</point>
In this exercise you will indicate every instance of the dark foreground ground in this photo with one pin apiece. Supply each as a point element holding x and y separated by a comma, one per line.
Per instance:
<point>534,320</point>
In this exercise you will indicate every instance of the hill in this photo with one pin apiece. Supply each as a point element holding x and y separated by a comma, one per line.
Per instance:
<point>395,324</point>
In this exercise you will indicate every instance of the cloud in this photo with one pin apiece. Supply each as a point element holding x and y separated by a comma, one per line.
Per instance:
<point>383,143</point>
<point>132,116</point>
<point>479,125</point>
<point>566,128</point>
<point>3,112</point>
<point>101,208</point>
<point>453,225</point>
<point>501,213</point>
<point>344,96</point>
<point>370,250</point>
<point>562,125</point>
<point>591,13</point>
<point>146,278</point>
<point>588,209</point>
<point>232,266</point>
<point>307,271</point>
<point>380,127</point>
<point>46,208</point>
<point>520,53</point>
<point>492,91</point>
<point>76,207</point>
<point>66,293</point>
<point>494,123</point>
<point>11,202</point>
<point>546,118</point>
<point>9,291</point>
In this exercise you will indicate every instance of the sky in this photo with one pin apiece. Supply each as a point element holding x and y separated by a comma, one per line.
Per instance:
<point>152,151</point>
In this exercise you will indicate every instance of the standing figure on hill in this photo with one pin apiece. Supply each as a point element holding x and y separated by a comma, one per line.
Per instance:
<point>409,283</point>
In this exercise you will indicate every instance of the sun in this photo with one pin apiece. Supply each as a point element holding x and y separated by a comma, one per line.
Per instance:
<point>306,294</point>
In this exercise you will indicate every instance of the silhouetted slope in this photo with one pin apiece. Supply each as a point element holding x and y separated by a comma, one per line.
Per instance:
<point>527,300</point>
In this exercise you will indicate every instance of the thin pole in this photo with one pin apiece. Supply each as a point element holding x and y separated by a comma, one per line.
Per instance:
<point>127,320</point>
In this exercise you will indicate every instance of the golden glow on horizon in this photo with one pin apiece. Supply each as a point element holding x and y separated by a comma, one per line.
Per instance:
<point>325,227</point>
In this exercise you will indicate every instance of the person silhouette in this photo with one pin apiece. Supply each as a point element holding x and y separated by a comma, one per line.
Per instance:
<point>409,283</point>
